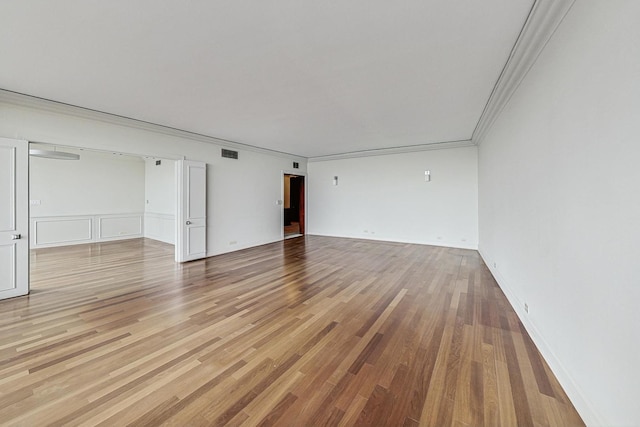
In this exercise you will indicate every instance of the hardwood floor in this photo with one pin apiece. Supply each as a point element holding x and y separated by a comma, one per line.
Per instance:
<point>306,332</point>
<point>292,229</point>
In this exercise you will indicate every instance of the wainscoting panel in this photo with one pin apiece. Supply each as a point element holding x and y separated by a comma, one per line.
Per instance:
<point>78,229</point>
<point>58,231</point>
<point>119,227</point>
<point>160,227</point>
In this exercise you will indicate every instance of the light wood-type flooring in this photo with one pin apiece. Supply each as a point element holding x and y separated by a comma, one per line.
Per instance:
<point>311,331</point>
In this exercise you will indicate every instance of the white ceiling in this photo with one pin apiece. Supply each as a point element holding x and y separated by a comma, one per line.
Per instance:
<point>306,77</point>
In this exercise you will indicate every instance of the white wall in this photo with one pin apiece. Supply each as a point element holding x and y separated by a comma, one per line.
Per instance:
<point>386,197</point>
<point>96,183</point>
<point>559,207</point>
<point>98,197</point>
<point>241,194</point>
<point>160,200</point>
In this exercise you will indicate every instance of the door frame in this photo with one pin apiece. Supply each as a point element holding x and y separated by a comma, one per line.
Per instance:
<point>160,156</point>
<point>20,233</point>
<point>183,216</point>
<point>306,198</point>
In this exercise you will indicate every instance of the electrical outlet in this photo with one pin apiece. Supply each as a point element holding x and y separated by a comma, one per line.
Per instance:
<point>233,242</point>
<point>526,308</point>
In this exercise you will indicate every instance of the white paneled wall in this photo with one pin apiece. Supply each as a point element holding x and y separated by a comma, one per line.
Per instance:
<point>160,227</point>
<point>77,229</point>
<point>160,200</point>
<point>233,222</point>
<point>97,198</point>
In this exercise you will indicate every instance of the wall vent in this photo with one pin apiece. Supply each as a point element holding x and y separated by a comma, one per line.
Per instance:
<point>229,154</point>
<point>296,165</point>
<point>158,162</point>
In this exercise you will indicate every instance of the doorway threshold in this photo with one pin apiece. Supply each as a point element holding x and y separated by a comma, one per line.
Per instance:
<point>291,236</point>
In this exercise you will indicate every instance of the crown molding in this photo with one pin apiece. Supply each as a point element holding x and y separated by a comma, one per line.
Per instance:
<point>542,22</point>
<point>22,100</point>
<point>394,150</point>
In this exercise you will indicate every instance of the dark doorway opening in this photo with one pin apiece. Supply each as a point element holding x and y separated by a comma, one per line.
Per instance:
<point>293,206</point>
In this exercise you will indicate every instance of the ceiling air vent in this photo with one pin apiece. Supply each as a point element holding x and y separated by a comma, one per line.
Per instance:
<point>296,165</point>
<point>229,154</point>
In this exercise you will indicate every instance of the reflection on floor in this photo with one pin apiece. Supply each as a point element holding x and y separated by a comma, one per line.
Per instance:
<point>292,230</point>
<point>305,332</point>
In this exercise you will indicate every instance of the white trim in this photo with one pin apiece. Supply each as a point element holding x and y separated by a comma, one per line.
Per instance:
<point>24,100</point>
<point>160,215</point>
<point>544,19</point>
<point>138,218</point>
<point>542,22</point>
<point>35,221</point>
<point>295,172</point>
<point>12,184</point>
<point>242,246</point>
<point>185,219</point>
<point>582,405</point>
<point>394,150</point>
<point>438,243</point>
<point>154,218</point>
<point>94,229</point>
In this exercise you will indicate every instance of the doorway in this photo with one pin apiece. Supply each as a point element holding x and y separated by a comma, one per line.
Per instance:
<point>294,203</point>
<point>89,208</point>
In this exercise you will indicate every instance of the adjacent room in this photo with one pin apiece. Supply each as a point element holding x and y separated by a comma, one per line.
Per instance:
<point>420,213</point>
<point>81,196</point>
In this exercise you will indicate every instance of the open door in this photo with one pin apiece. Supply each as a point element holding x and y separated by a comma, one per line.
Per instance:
<point>293,205</point>
<point>14,218</point>
<point>191,238</point>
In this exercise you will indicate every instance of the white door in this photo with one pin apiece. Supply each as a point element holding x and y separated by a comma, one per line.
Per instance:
<point>191,239</point>
<point>14,218</point>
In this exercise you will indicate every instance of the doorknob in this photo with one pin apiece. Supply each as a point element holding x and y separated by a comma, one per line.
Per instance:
<point>188,222</point>
<point>16,236</point>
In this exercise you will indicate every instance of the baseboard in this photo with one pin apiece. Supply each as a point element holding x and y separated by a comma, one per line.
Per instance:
<point>65,230</point>
<point>440,243</point>
<point>580,402</point>
<point>240,247</point>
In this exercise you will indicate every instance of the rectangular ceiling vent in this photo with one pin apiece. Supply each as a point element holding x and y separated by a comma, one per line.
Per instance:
<point>229,154</point>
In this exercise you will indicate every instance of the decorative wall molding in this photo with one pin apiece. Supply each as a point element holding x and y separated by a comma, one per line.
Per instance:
<point>394,150</point>
<point>61,231</point>
<point>159,215</point>
<point>159,226</point>
<point>544,18</point>
<point>117,227</point>
<point>29,101</point>
<point>542,22</point>
<point>66,230</point>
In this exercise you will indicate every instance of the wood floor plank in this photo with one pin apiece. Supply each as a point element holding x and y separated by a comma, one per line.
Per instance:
<point>308,331</point>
